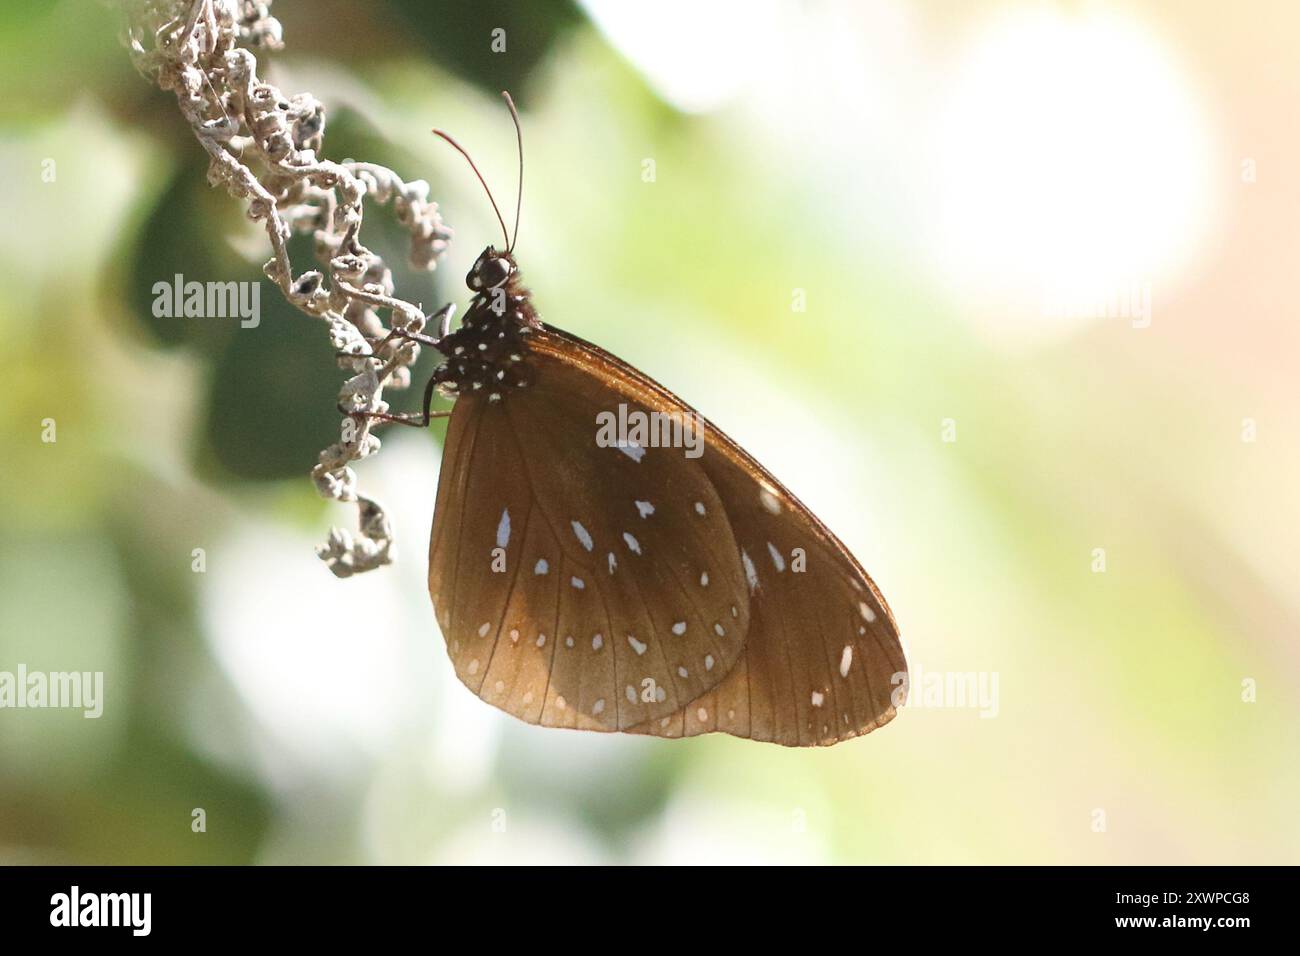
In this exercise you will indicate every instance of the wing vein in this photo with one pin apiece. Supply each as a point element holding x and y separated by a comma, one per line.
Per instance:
<point>469,467</point>
<point>510,591</point>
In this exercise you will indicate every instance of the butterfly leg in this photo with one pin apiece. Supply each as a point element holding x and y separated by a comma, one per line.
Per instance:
<point>443,316</point>
<point>419,419</point>
<point>422,418</point>
<point>414,419</point>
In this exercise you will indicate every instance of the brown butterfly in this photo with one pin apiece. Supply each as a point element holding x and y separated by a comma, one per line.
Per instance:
<point>627,586</point>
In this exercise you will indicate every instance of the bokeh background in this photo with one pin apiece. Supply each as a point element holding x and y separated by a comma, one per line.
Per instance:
<point>959,190</point>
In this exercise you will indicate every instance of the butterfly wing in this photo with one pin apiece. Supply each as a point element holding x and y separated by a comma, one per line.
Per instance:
<point>579,585</point>
<point>823,661</point>
<point>822,657</point>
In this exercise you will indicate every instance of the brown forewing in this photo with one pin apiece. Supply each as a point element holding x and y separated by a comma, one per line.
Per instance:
<point>622,596</point>
<point>823,661</point>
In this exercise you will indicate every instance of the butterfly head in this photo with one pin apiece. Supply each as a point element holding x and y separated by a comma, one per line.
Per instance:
<point>491,270</point>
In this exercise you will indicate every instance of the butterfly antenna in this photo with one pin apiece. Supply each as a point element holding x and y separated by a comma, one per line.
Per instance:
<point>519,196</point>
<point>461,149</point>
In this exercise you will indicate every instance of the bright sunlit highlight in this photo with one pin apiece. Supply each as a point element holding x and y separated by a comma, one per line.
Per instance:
<point>1070,165</point>
<point>699,69</point>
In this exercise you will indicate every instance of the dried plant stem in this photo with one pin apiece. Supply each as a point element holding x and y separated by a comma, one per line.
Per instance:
<point>263,148</point>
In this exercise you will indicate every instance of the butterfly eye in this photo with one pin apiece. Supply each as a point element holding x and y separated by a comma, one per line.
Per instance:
<point>493,272</point>
<point>488,272</point>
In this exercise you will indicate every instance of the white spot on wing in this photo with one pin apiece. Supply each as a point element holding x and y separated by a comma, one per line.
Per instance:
<point>484,628</point>
<point>679,628</point>
<point>846,660</point>
<point>581,533</point>
<point>632,543</point>
<point>817,698</point>
<point>646,508</point>
<point>699,508</point>
<point>867,614</point>
<point>769,501</point>
<point>751,573</point>
<point>503,529</point>
<point>597,707</point>
<point>578,583</point>
<point>613,562</point>
<point>778,562</point>
<point>708,662</point>
<point>638,646</point>
<point>541,567</point>
<point>596,642</point>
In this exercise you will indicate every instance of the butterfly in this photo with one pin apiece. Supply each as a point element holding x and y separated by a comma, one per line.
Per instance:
<point>626,586</point>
